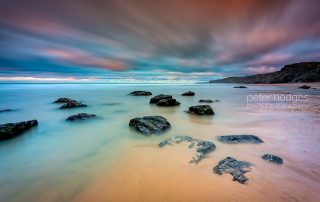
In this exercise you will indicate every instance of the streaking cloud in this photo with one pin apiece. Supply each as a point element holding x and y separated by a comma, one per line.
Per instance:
<point>98,37</point>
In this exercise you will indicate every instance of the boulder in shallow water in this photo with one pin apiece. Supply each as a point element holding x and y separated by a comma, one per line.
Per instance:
<point>272,158</point>
<point>11,130</point>
<point>72,104</point>
<point>5,110</point>
<point>64,100</point>
<point>206,101</point>
<point>234,167</point>
<point>240,87</point>
<point>202,147</point>
<point>201,110</point>
<point>140,93</point>
<point>157,98</point>
<point>233,139</point>
<point>148,125</point>
<point>305,87</point>
<point>168,102</point>
<point>80,116</point>
<point>188,93</point>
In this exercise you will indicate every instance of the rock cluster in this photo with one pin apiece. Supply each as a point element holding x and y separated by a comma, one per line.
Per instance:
<point>201,110</point>
<point>206,101</point>
<point>188,93</point>
<point>149,125</point>
<point>69,103</point>
<point>5,110</point>
<point>11,130</point>
<point>272,158</point>
<point>164,100</point>
<point>234,167</point>
<point>305,87</point>
<point>140,93</point>
<point>80,116</point>
<point>239,87</point>
<point>233,139</point>
<point>202,147</point>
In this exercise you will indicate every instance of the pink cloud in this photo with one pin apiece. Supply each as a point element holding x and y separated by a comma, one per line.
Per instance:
<point>260,70</point>
<point>78,57</point>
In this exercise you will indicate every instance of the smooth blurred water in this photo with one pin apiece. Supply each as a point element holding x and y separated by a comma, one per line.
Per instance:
<point>57,160</point>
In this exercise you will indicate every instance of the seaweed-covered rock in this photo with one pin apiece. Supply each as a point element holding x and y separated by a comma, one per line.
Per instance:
<point>64,100</point>
<point>148,125</point>
<point>168,102</point>
<point>305,87</point>
<point>11,130</point>
<point>272,158</point>
<point>157,98</point>
<point>201,110</point>
<point>202,147</point>
<point>233,139</point>
<point>72,104</point>
<point>234,167</point>
<point>206,101</point>
<point>188,93</point>
<point>80,116</point>
<point>239,87</point>
<point>140,93</point>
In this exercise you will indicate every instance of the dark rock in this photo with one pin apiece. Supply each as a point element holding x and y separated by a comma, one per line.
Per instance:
<point>64,100</point>
<point>168,102</point>
<point>273,158</point>
<point>80,116</point>
<point>157,98</point>
<point>217,100</point>
<point>236,168</point>
<point>201,110</point>
<point>189,93</point>
<point>233,139</point>
<point>150,124</point>
<point>140,93</point>
<point>202,147</point>
<point>293,73</point>
<point>5,110</point>
<point>206,101</point>
<point>239,87</point>
<point>305,87</point>
<point>11,130</point>
<point>72,104</point>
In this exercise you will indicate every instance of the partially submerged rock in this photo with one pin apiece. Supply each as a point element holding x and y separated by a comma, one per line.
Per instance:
<point>140,93</point>
<point>234,167</point>
<point>80,116</point>
<point>164,100</point>
<point>206,101</point>
<point>5,110</point>
<point>188,93</point>
<point>305,87</point>
<point>148,125</point>
<point>69,103</point>
<point>157,98</point>
<point>201,110</point>
<point>168,102</point>
<point>233,139</point>
<point>64,100</point>
<point>72,104</point>
<point>202,147</point>
<point>239,87</point>
<point>11,130</point>
<point>272,158</point>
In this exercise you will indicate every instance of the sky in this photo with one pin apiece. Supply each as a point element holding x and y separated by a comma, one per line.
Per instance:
<point>154,41</point>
